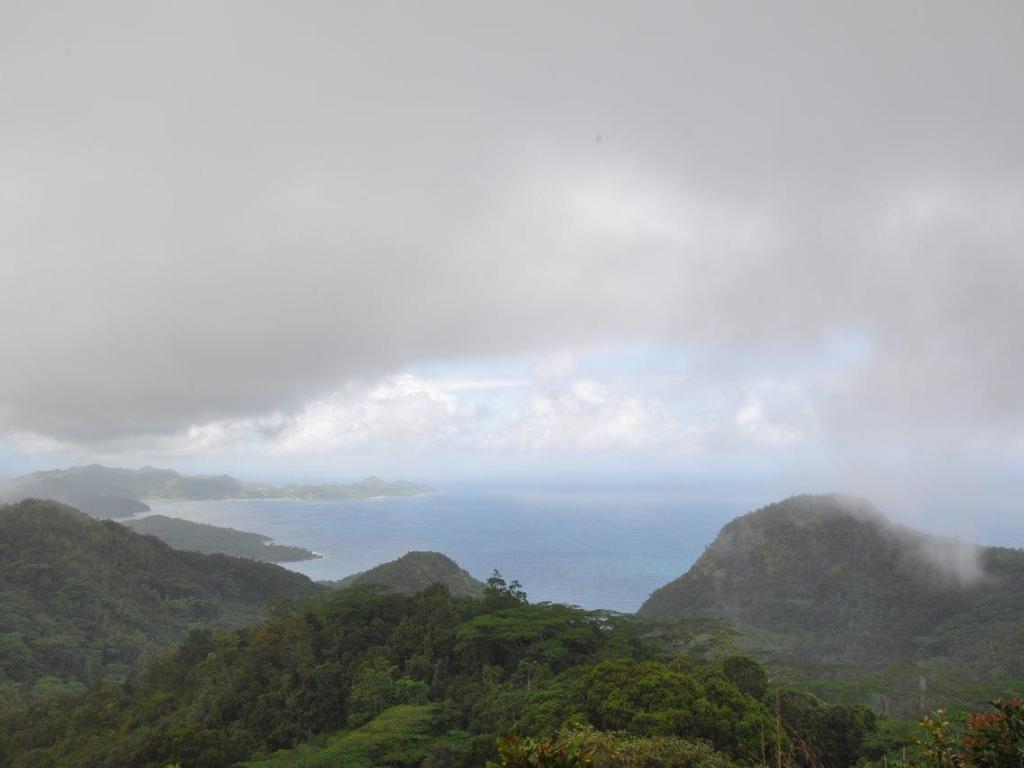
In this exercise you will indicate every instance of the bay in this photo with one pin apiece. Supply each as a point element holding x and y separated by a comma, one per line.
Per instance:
<point>596,549</point>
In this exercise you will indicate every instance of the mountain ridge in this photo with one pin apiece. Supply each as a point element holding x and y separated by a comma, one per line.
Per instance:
<point>213,539</point>
<point>125,490</point>
<point>82,599</point>
<point>827,579</point>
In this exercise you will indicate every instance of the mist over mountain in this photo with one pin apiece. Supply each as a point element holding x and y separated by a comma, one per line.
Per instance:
<point>610,274</point>
<point>420,669</point>
<point>828,580</point>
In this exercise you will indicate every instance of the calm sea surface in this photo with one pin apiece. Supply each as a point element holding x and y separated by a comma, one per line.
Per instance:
<point>597,550</point>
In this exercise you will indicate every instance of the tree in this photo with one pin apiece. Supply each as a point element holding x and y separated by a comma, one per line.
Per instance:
<point>996,739</point>
<point>501,594</point>
<point>528,753</point>
<point>747,675</point>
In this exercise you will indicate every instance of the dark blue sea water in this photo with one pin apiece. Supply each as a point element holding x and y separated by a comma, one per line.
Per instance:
<point>602,549</point>
<point>597,548</point>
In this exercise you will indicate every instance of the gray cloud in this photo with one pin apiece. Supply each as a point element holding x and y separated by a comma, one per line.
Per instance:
<point>213,211</point>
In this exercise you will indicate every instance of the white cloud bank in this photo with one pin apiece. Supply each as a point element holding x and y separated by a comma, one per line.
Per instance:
<point>557,411</point>
<point>218,223</point>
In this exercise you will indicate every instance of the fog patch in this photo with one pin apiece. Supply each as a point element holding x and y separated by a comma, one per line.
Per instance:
<point>945,558</point>
<point>952,559</point>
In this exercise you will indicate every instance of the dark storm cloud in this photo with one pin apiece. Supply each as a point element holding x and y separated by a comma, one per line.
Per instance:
<point>221,209</point>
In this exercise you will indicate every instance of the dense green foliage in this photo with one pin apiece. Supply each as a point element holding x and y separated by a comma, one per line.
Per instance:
<point>815,728</point>
<point>415,571</point>
<point>988,739</point>
<point>825,581</point>
<point>212,539</point>
<point>385,675</point>
<point>413,680</point>
<point>81,600</point>
<point>89,485</point>
<point>405,734</point>
<point>582,746</point>
<point>991,738</point>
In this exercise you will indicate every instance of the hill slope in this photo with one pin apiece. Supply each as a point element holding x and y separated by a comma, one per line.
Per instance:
<point>415,571</point>
<point>81,600</point>
<point>213,539</point>
<point>88,486</point>
<point>361,678</point>
<point>113,492</point>
<point>826,579</point>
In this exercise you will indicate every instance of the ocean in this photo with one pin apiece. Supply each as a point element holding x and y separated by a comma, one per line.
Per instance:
<point>598,549</point>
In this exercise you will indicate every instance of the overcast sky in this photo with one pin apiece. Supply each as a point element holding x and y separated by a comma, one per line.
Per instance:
<point>426,238</point>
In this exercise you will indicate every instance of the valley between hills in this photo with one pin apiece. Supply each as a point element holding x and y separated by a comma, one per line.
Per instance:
<point>812,630</point>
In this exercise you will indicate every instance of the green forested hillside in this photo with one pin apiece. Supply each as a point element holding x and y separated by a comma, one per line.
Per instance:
<point>95,482</point>
<point>81,600</point>
<point>415,571</point>
<point>826,581</point>
<point>361,678</point>
<point>212,539</point>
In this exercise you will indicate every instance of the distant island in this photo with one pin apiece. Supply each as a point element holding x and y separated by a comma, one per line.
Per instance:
<point>213,540</point>
<point>112,492</point>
